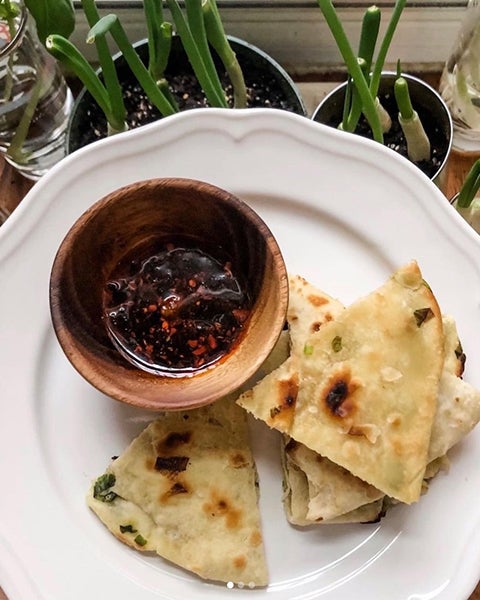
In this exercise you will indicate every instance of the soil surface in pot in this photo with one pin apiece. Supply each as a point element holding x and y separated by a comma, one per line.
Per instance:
<point>395,139</point>
<point>263,91</point>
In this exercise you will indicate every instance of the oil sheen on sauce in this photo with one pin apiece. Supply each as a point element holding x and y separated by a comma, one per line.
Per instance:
<point>177,311</point>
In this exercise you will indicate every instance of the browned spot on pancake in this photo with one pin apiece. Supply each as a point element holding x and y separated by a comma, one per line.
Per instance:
<point>314,327</point>
<point>398,446</point>
<point>337,395</point>
<point>317,300</point>
<point>461,359</point>
<point>176,489</point>
<point>171,465</point>
<point>356,430</point>
<point>172,442</point>
<point>394,419</point>
<point>220,506</point>
<point>366,430</point>
<point>255,538</point>
<point>238,460</point>
<point>283,412</point>
<point>240,562</point>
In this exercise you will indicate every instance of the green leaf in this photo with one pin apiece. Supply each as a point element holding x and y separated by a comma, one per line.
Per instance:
<point>102,488</point>
<point>140,540</point>
<point>52,16</point>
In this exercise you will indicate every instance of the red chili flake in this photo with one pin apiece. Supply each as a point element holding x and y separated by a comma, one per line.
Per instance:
<point>199,351</point>
<point>212,342</point>
<point>184,307</point>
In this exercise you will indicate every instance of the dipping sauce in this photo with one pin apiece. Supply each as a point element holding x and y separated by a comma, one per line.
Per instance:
<point>177,311</point>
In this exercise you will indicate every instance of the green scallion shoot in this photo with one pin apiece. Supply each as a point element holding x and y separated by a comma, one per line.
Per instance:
<point>470,186</point>
<point>354,69</point>
<point>218,39</point>
<point>418,144</point>
<point>111,23</point>
<point>366,48</point>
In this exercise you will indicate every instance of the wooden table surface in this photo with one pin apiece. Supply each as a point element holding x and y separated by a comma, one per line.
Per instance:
<point>13,188</point>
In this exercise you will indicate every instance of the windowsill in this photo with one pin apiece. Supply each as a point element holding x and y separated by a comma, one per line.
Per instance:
<point>298,38</point>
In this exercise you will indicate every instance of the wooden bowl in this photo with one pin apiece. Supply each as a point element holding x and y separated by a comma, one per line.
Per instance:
<point>135,221</point>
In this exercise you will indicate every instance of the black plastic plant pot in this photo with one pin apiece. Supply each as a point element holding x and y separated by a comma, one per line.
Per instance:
<point>268,85</point>
<point>430,107</point>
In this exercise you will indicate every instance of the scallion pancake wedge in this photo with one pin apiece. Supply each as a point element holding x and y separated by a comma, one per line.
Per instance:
<point>316,488</point>
<point>364,391</point>
<point>186,488</point>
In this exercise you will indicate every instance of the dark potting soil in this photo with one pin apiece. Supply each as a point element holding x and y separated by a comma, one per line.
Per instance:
<point>263,91</point>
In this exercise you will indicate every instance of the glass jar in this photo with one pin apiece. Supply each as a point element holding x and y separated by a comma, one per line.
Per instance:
<point>460,81</point>
<point>35,100</point>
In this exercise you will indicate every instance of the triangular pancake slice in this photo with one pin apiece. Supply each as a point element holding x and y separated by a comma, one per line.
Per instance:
<point>364,391</point>
<point>186,488</point>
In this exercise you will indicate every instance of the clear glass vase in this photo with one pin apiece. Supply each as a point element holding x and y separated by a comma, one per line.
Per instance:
<point>35,101</point>
<point>460,81</point>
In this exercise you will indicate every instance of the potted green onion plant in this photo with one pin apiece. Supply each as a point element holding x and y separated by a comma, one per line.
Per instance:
<point>187,63</point>
<point>391,107</point>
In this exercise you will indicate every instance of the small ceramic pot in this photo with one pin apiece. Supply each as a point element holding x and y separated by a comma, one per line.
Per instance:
<point>256,65</point>
<point>430,106</point>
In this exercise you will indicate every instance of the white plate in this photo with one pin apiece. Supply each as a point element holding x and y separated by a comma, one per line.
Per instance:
<point>346,213</point>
